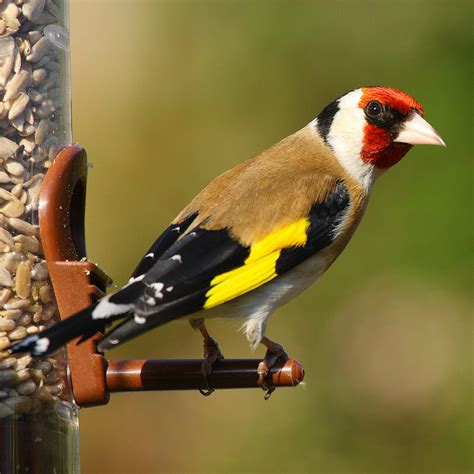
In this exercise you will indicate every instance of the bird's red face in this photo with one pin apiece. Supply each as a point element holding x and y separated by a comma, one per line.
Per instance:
<point>386,111</point>
<point>372,128</point>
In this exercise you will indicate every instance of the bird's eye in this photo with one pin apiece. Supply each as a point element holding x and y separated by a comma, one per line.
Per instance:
<point>373,108</point>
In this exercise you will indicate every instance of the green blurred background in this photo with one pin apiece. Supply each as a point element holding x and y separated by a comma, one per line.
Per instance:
<point>168,94</point>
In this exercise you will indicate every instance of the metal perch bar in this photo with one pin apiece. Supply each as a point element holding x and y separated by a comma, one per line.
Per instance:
<point>160,375</point>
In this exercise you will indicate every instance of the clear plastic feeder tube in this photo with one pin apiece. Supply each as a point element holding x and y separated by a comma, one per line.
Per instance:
<point>38,418</point>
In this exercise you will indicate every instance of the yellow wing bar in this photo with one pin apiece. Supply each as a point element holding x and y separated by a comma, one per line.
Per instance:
<point>259,267</point>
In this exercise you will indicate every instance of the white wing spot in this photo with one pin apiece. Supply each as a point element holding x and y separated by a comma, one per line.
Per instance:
<point>138,278</point>
<point>158,287</point>
<point>170,288</point>
<point>139,319</point>
<point>105,309</point>
<point>177,257</point>
<point>193,234</point>
<point>150,301</point>
<point>149,255</point>
<point>177,229</point>
<point>114,341</point>
<point>42,345</point>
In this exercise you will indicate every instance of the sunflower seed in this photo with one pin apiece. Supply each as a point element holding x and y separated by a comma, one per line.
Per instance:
<point>25,319</point>
<point>4,343</point>
<point>11,314</point>
<point>41,131</point>
<point>16,60</point>
<point>9,16</point>
<point>23,226</point>
<point>17,333</point>
<point>6,325</point>
<point>15,168</point>
<point>5,278</point>
<point>29,116</point>
<point>48,312</point>
<point>5,296</point>
<point>13,208</point>
<point>23,280</point>
<point>34,36</point>
<point>35,96</point>
<point>8,363</point>
<point>12,260</point>
<point>7,47</point>
<point>28,243</point>
<point>26,388</point>
<point>39,76</point>
<point>16,303</point>
<point>32,9</point>
<point>6,237</point>
<point>46,294</point>
<point>18,106</point>
<point>17,190</point>
<point>6,195</point>
<point>17,84</point>
<point>7,147</point>
<point>40,48</point>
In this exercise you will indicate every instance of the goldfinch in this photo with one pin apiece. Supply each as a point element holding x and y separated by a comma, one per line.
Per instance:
<point>262,232</point>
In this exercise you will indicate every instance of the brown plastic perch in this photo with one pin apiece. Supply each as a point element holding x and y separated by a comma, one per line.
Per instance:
<point>78,282</point>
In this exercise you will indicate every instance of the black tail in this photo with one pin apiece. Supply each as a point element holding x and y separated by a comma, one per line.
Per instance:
<point>85,323</point>
<point>80,324</point>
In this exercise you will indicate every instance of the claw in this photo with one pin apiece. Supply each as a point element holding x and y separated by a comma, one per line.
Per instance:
<point>209,391</point>
<point>212,354</point>
<point>274,353</point>
<point>270,390</point>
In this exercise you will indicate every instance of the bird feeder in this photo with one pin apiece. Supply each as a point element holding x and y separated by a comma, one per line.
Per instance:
<point>44,273</point>
<point>38,416</point>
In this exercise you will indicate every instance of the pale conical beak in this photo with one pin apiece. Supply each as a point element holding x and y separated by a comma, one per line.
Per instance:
<point>417,131</point>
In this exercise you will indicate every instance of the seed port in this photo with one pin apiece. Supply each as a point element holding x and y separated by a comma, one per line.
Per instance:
<point>78,282</point>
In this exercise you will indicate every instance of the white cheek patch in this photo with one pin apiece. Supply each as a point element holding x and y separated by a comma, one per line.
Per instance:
<point>346,137</point>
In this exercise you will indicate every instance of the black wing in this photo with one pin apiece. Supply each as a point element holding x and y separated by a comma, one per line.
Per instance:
<point>180,281</point>
<point>161,244</point>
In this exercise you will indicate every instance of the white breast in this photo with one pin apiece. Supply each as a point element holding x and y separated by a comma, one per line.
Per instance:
<point>258,305</point>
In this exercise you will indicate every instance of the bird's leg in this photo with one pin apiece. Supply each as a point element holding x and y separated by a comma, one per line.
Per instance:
<point>274,352</point>
<point>212,353</point>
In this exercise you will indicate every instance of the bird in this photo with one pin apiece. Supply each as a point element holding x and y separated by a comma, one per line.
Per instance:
<point>260,233</point>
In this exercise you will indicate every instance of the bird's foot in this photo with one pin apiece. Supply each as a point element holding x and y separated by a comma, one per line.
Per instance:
<point>212,353</point>
<point>275,352</point>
